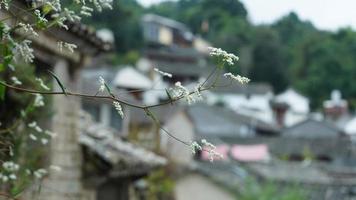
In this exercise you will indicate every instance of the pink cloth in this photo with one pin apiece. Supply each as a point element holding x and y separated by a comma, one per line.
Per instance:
<point>222,149</point>
<point>250,153</point>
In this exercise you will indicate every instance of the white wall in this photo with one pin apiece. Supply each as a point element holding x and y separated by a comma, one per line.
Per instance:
<point>179,126</point>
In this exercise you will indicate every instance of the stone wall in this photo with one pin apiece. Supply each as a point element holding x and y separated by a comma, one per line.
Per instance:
<point>65,150</point>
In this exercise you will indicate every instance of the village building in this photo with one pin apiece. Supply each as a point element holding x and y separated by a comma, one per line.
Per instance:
<point>172,48</point>
<point>290,107</point>
<point>252,99</point>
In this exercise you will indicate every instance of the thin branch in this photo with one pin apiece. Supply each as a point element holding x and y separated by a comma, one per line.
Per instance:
<point>210,75</point>
<point>112,98</point>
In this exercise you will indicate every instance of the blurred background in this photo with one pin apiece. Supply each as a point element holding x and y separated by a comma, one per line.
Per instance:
<point>286,135</point>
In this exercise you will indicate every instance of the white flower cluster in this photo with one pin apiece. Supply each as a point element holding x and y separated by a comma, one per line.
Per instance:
<point>163,73</point>
<point>38,129</point>
<point>10,166</point>
<point>39,16</point>
<point>50,133</point>
<point>102,84</point>
<point>86,11</point>
<point>44,86</point>
<point>40,173</point>
<point>38,100</point>
<point>69,15</point>
<point>68,46</point>
<point>35,126</point>
<point>211,149</point>
<point>194,147</point>
<point>5,4</point>
<point>9,170</point>
<point>179,91</point>
<point>55,5</point>
<point>16,81</point>
<point>118,108</point>
<point>27,28</point>
<point>24,50</point>
<point>238,78</point>
<point>206,146</point>
<point>44,140</point>
<point>55,168</point>
<point>229,58</point>
<point>102,4</point>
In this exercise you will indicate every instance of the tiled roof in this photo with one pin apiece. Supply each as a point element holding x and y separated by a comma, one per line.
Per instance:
<point>82,31</point>
<point>219,121</point>
<point>105,143</point>
<point>312,129</point>
<point>237,88</point>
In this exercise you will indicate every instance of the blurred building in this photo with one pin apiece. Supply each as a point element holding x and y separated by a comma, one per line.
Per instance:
<point>112,165</point>
<point>172,48</point>
<point>252,99</point>
<point>64,150</point>
<point>290,107</point>
<point>158,30</point>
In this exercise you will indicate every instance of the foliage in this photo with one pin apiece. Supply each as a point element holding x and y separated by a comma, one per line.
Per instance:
<point>288,53</point>
<point>160,185</point>
<point>124,22</point>
<point>17,111</point>
<point>270,190</point>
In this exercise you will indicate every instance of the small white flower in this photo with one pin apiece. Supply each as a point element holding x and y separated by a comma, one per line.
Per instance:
<point>194,146</point>
<point>229,58</point>
<point>44,86</point>
<point>118,107</point>
<point>5,4</point>
<point>68,46</point>
<point>24,51</point>
<point>33,137</point>
<point>38,101</point>
<point>55,168</point>
<point>211,149</point>
<point>10,166</point>
<point>32,124</point>
<point>5,178</point>
<point>163,73</point>
<point>40,173</point>
<point>12,176</point>
<point>71,15</point>
<point>50,133</point>
<point>238,78</point>
<point>35,126</point>
<point>55,5</point>
<point>28,28</point>
<point>44,141</point>
<point>40,18</point>
<point>60,21</point>
<point>16,81</point>
<point>182,92</point>
<point>102,84</point>
<point>86,11</point>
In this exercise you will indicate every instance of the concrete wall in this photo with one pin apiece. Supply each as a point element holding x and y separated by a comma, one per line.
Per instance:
<point>181,127</point>
<point>198,187</point>
<point>65,150</point>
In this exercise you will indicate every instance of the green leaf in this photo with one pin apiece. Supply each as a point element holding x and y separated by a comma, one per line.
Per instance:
<point>169,96</point>
<point>108,89</point>
<point>46,8</point>
<point>2,92</point>
<point>2,67</point>
<point>59,82</point>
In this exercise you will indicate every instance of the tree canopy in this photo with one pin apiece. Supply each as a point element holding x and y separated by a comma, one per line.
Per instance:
<point>288,53</point>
